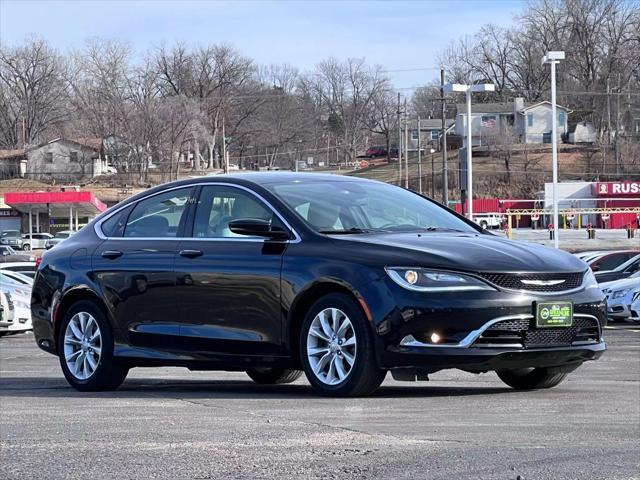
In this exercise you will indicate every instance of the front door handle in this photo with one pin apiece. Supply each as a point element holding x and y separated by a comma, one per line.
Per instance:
<point>190,253</point>
<point>111,254</point>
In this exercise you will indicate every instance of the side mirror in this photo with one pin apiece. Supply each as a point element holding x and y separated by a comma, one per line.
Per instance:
<point>257,227</point>
<point>595,268</point>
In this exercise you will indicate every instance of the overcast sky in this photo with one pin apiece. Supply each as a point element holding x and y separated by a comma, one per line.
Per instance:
<point>398,35</point>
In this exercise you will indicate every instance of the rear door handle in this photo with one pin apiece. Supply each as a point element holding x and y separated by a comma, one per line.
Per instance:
<point>190,253</point>
<point>111,254</point>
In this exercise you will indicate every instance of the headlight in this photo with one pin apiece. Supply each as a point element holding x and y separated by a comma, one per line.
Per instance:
<point>589,280</point>
<point>423,280</point>
<point>620,293</point>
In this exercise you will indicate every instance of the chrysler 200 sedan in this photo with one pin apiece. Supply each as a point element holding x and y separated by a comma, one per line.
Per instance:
<point>343,279</point>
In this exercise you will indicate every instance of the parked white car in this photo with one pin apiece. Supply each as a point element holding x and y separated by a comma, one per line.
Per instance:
<point>25,268</point>
<point>488,220</point>
<point>36,241</point>
<point>623,298</point>
<point>15,299</point>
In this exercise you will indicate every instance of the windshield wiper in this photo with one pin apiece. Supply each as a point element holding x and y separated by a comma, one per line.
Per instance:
<point>348,231</point>
<point>444,229</point>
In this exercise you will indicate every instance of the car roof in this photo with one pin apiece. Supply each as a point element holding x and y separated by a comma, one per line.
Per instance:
<point>17,264</point>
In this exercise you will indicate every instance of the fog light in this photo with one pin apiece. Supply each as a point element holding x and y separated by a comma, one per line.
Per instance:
<point>411,276</point>
<point>435,338</point>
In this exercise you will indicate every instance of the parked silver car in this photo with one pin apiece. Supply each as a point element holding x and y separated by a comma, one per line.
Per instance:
<point>13,238</point>
<point>59,237</point>
<point>623,298</point>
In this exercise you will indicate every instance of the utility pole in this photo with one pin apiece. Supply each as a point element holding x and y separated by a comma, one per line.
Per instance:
<point>618,94</point>
<point>406,147</point>
<point>225,166</point>
<point>420,160</point>
<point>399,144</point>
<point>443,138</point>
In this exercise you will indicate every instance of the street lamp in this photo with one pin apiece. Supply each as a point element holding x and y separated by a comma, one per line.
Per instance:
<point>468,90</point>
<point>553,58</point>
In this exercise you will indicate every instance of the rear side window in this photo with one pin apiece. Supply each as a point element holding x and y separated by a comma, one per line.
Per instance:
<point>114,226</point>
<point>159,216</point>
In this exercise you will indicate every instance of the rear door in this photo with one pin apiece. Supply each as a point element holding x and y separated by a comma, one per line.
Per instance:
<point>134,267</point>
<point>229,285</point>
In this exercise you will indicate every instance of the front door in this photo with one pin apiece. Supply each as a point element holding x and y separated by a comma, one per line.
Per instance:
<point>228,284</point>
<point>134,267</point>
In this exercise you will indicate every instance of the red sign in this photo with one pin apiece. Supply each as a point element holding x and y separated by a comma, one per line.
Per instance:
<point>618,189</point>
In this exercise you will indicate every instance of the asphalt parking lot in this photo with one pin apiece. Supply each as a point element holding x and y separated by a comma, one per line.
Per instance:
<point>174,424</point>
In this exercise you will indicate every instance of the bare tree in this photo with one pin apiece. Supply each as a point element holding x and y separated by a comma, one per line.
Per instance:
<point>32,92</point>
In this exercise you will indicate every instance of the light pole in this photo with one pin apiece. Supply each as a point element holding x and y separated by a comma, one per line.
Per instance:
<point>468,90</point>
<point>553,58</point>
<point>419,160</point>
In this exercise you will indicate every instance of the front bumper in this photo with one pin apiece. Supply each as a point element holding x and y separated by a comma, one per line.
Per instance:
<point>486,359</point>
<point>480,331</point>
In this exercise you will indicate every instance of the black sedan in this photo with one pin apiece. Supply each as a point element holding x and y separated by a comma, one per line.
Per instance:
<point>342,278</point>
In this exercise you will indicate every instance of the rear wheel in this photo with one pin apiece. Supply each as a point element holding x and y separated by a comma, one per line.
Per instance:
<point>530,378</point>
<point>336,348</point>
<point>85,349</point>
<point>273,376</point>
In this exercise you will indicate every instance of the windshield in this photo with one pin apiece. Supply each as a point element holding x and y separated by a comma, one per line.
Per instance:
<point>62,235</point>
<point>357,207</point>
<point>10,233</point>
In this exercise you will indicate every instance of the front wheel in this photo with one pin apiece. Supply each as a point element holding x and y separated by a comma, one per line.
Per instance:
<point>530,378</point>
<point>85,349</point>
<point>336,348</point>
<point>26,247</point>
<point>273,376</point>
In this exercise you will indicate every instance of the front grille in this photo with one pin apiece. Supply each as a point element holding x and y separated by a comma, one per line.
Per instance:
<point>522,333</point>
<point>513,281</point>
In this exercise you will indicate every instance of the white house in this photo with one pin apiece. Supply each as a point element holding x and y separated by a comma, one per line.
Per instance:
<point>529,123</point>
<point>430,132</point>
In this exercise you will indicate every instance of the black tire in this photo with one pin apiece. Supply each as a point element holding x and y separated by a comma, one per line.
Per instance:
<point>530,378</point>
<point>484,225</point>
<point>365,376</point>
<point>109,373</point>
<point>26,247</point>
<point>273,376</point>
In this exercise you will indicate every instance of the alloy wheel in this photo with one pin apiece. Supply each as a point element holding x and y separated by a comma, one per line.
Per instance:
<point>82,345</point>
<point>331,346</point>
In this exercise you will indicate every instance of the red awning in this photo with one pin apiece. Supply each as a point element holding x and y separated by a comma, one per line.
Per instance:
<point>57,204</point>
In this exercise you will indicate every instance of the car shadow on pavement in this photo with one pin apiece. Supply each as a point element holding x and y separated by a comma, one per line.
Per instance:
<point>159,388</point>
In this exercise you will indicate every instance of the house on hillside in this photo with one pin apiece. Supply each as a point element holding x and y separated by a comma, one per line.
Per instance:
<point>524,122</point>
<point>66,160</point>
<point>430,131</point>
<point>13,163</point>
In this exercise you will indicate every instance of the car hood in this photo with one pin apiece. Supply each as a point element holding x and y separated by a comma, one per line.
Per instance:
<point>620,284</point>
<point>468,252</point>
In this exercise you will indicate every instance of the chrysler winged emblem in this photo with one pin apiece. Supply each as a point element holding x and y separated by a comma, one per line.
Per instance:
<point>541,283</point>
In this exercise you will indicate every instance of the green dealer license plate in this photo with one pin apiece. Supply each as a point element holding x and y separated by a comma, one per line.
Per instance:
<point>554,314</point>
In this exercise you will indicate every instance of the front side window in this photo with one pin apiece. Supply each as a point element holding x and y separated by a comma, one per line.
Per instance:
<point>158,216</point>
<point>357,206</point>
<point>219,205</point>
